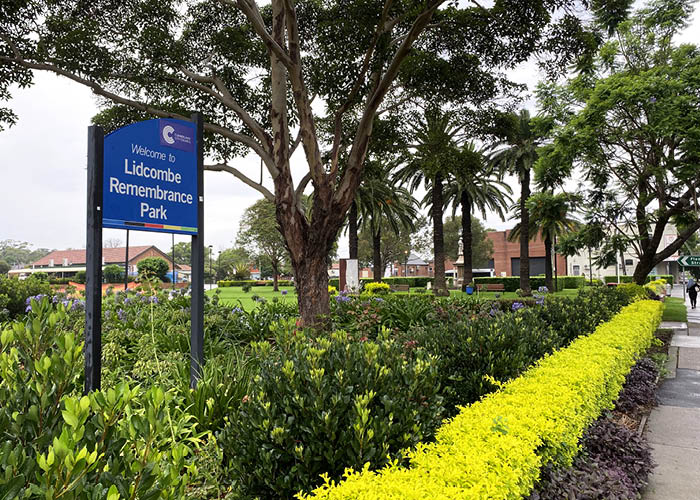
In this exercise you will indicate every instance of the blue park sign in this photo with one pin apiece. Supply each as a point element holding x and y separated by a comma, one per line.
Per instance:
<point>150,177</point>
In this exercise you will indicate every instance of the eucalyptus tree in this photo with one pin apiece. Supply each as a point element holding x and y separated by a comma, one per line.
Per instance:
<point>474,184</point>
<point>254,71</point>
<point>517,154</point>
<point>631,126</point>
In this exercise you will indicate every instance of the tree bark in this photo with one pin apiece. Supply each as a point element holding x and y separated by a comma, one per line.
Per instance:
<point>524,233</point>
<point>439,286</point>
<point>548,278</point>
<point>467,237</point>
<point>352,230</point>
<point>275,278</point>
<point>644,266</point>
<point>311,278</point>
<point>377,254</point>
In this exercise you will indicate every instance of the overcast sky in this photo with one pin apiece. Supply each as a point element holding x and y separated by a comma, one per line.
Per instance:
<point>43,175</point>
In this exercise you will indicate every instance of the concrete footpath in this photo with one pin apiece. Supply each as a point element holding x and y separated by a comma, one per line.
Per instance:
<point>673,428</point>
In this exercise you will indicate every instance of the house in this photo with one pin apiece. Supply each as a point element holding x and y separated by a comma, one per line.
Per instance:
<point>67,263</point>
<point>506,255</point>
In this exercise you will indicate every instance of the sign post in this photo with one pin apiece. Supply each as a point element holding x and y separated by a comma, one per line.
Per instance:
<point>689,260</point>
<point>93,270</point>
<point>145,176</point>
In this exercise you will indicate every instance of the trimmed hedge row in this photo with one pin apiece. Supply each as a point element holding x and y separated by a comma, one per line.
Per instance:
<point>227,283</point>
<point>512,283</point>
<point>496,447</point>
<point>630,279</point>
<point>412,281</point>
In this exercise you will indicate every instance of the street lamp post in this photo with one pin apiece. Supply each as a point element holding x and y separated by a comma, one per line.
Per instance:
<point>405,262</point>
<point>210,275</point>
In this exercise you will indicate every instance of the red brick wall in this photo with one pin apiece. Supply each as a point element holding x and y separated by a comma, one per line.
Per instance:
<point>504,251</point>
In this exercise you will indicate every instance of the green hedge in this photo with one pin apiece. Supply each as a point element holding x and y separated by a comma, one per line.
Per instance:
<point>630,279</point>
<point>496,447</point>
<point>412,281</point>
<point>512,283</point>
<point>227,283</point>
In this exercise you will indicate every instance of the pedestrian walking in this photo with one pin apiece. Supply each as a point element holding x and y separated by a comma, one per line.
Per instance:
<point>693,289</point>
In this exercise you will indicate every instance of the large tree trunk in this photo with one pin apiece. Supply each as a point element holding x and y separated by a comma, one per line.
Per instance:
<point>311,278</point>
<point>377,254</point>
<point>352,231</point>
<point>439,286</point>
<point>524,233</point>
<point>548,278</point>
<point>467,237</point>
<point>644,267</point>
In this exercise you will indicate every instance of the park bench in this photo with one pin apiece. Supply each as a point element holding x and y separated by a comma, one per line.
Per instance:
<point>491,287</point>
<point>400,288</point>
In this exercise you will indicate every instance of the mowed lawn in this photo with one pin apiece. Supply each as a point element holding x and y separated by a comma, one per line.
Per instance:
<point>675,310</point>
<point>235,296</point>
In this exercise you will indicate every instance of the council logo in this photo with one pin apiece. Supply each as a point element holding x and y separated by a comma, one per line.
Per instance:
<point>168,134</point>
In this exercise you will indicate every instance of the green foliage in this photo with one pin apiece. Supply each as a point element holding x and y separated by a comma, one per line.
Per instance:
<point>488,342</point>
<point>512,283</point>
<point>376,288</point>
<point>19,253</point>
<point>14,294</point>
<point>322,404</point>
<point>153,268</point>
<point>260,236</point>
<point>668,278</point>
<point>633,291</point>
<point>482,246</point>
<point>496,447</point>
<point>117,442</point>
<point>4,267</point>
<point>113,273</point>
<point>80,277</point>
<point>41,276</point>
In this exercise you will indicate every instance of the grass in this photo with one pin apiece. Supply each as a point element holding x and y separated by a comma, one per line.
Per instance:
<point>675,310</point>
<point>235,296</point>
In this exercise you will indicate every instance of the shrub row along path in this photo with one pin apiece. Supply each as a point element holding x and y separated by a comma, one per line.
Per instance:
<point>673,429</point>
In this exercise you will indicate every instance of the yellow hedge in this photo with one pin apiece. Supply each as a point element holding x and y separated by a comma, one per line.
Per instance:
<point>494,448</point>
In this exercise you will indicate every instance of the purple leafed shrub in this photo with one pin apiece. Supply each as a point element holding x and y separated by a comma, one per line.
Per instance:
<point>640,387</point>
<point>583,480</point>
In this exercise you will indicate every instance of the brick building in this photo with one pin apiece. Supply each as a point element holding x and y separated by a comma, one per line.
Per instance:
<point>506,255</point>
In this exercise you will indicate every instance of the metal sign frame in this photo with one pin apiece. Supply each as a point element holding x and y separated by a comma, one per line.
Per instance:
<point>93,281</point>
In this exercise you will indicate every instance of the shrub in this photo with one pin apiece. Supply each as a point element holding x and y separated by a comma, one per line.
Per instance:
<point>113,273</point>
<point>14,294</point>
<point>496,447</point>
<point>121,441</point>
<point>413,282</point>
<point>332,290</point>
<point>153,268</point>
<point>246,288</point>
<point>633,291</point>
<point>80,277</point>
<point>377,288</point>
<point>321,405</point>
<point>630,279</point>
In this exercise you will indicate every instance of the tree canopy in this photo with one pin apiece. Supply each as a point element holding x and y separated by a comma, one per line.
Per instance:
<point>633,128</point>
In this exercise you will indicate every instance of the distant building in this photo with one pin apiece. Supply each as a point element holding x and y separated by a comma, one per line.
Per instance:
<point>581,264</point>
<point>67,263</point>
<point>506,255</point>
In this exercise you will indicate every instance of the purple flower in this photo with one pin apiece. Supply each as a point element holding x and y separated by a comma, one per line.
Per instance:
<point>516,306</point>
<point>342,298</point>
<point>153,300</point>
<point>29,308</point>
<point>66,303</point>
<point>127,300</point>
<point>55,299</point>
<point>78,305</point>
<point>284,292</point>
<point>236,310</point>
<point>543,289</point>
<point>378,299</point>
<point>121,314</point>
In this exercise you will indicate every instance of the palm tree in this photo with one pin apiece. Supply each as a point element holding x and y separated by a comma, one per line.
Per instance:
<point>476,186</point>
<point>517,154</point>
<point>435,156</point>
<point>549,216</point>
<point>378,199</point>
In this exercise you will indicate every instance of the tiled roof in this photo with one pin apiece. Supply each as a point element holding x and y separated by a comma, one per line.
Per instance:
<point>110,255</point>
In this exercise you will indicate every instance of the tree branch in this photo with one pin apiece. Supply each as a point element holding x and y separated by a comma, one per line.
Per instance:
<point>223,167</point>
<point>147,108</point>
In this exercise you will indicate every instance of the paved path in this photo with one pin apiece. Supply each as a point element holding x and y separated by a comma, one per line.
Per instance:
<point>673,429</point>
